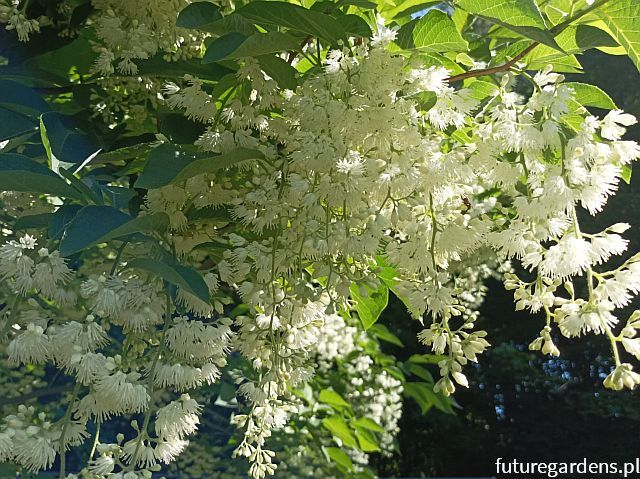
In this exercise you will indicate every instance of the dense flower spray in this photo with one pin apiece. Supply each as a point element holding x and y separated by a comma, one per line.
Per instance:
<point>374,172</point>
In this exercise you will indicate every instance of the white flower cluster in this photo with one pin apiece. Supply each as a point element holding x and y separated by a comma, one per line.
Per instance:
<point>47,273</point>
<point>371,391</point>
<point>358,171</point>
<point>51,315</point>
<point>336,340</point>
<point>129,31</point>
<point>32,440</point>
<point>372,166</point>
<point>127,99</point>
<point>546,168</point>
<point>13,14</point>
<point>376,395</point>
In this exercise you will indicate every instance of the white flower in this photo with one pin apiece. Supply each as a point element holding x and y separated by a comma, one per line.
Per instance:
<point>183,377</point>
<point>178,418</point>
<point>622,377</point>
<point>352,164</point>
<point>606,244</point>
<point>577,318</point>
<point>383,35</point>
<point>569,257</point>
<point>547,76</point>
<point>33,450</point>
<point>29,346</point>
<point>432,79</point>
<point>168,449</point>
<point>146,456</point>
<point>103,465</point>
<point>194,339</point>
<point>611,129</point>
<point>6,445</point>
<point>632,346</point>
<point>116,393</point>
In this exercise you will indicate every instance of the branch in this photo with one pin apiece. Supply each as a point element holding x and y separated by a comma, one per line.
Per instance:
<point>490,71</point>
<point>506,66</point>
<point>37,393</point>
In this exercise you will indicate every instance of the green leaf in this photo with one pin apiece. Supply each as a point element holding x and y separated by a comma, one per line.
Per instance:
<point>64,143</point>
<point>542,56</point>
<point>167,164</point>
<point>332,398</point>
<point>425,99</point>
<point>228,24</point>
<point>178,275</point>
<point>403,8</point>
<point>156,222</point>
<point>118,196</point>
<point>481,89</point>
<point>122,154</point>
<point>98,224</point>
<point>88,194</point>
<point>19,173</point>
<point>622,17</point>
<point>198,15</point>
<point>590,95</point>
<point>60,219</point>
<point>14,124</point>
<point>434,32</point>
<point>89,225</point>
<point>369,307</point>
<point>281,71</point>
<point>179,129</point>
<point>367,441</point>
<point>522,13</point>
<point>355,26</point>
<point>340,429</point>
<point>294,17</point>
<point>158,67</point>
<point>426,398</point>
<point>18,97</point>
<point>210,214</point>
<point>340,458</point>
<point>383,333</point>
<point>366,4</point>
<point>223,46</point>
<point>520,16</point>
<point>426,358</point>
<point>367,423</point>
<point>255,45</point>
<point>13,143</point>
<point>419,371</point>
<point>576,39</point>
<point>626,173</point>
<point>33,221</point>
<point>227,392</point>
<point>77,55</point>
<point>417,391</point>
<point>574,121</point>
<point>265,43</point>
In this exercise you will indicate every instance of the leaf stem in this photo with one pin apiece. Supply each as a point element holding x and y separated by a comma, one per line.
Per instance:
<point>151,387</point>
<point>96,439</point>
<point>66,419</point>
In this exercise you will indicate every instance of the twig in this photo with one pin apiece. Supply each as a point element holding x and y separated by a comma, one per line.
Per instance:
<point>35,394</point>
<point>490,71</point>
<point>560,27</point>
